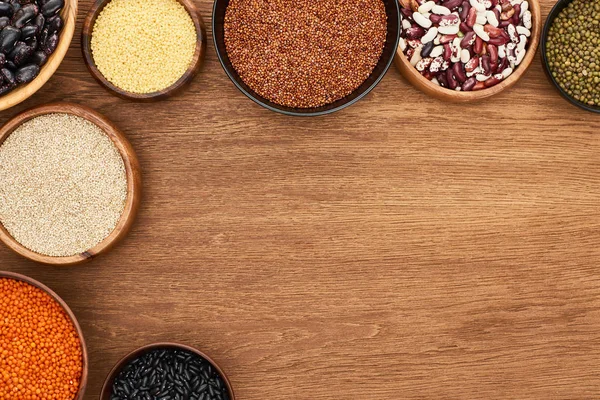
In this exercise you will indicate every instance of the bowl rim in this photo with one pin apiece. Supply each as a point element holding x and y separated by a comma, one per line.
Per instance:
<point>559,6</point>
<point>441,93</point>
<point>181,83</point>
<point>108,382</point>
<point>132,171</point>
<point>23,92</point>
<point>296,113</point>
<point>72,317</point>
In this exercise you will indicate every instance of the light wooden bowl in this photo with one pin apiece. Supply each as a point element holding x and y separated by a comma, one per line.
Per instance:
<point>23,92</point>
<point>430,88</point>
<point>186,78</point>
<point>132,170</point>
<point>65,307</point>
<point>114,372</point>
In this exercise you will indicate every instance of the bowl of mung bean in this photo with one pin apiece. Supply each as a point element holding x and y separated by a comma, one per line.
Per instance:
<point>305,57</point>
<point>571,51</point>
<point>467,50</point>
<point>34,38</point>
<point>38,326</point>
<point>70,184</point>
<point>144,50</point>
<point>167,371</point>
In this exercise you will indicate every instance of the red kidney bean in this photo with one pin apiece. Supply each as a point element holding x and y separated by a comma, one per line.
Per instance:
<point>459,72</point>
<point>464,28</point>
<point>435,19</point>
<point>478,46</point>
<point>516,18</point>
<point>485,64</point>
<point>493,31</point>
<point>479,86</point>
<point>469,84</point>
<point>452,83</point>
<point>471,17</point>
<point>493,52</point>
<point>493,81</point>
<point>464,12</point>
<point>504,24</point>
<point>441,77</point>
<point>472,64</point>
<point>407,13</point>
<point>499,41</point>
<point>447,52</point>
<point>447,39</point>
<point>502,65</point>
<point>468,40</point>
<point>415,32</point>
<point>452,4</point>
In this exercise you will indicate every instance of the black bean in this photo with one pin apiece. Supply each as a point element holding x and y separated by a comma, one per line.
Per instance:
<point>24,15</point>
<point>4,22</point>
<point>52,7</point>
<point>20,53</point>
<point>8,38</point>
<point>427,48</point>
<point>50,44</point>
<point>2,59</point>
<point>29,31</point>
<point>27,73</point>
<point>8,76</point>
<point>6,10</point>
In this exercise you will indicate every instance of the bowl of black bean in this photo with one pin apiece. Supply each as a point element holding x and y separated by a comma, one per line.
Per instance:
<point>167,371</point>
<point>34,38</point>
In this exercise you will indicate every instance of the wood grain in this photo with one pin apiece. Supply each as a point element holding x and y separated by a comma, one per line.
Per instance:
<point>132,172</point>
<point>431,89</point>
<point>403,248</point>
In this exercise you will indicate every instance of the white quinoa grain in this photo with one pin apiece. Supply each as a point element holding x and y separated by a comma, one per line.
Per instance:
<point>62,185</point>
<point>143,46</point>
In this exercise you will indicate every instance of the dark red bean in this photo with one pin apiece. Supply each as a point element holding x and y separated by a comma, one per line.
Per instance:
<point>464,28</point>
<point>467,40</point>
<point>504,24</point>
<point>464,11</point>
<point>516,18</point>
<point>502,65</point>
<point>493,52</point>
<point>447,52</point>
<point>459,72</point>
<point>407,14</point>
<point>485,64</point>
<point>471,17</point>
<point>452,83</point>
<point>435,19</point>
<point>469,84</point>
<point>493,81</point>
<point>499,41</point>
<point>478,46</point>
<point>441,77</point>
<point>415,32</point>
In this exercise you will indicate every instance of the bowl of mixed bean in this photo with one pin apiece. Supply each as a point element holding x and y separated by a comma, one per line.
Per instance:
<point>466,50</point>
<point>571,51</point>
<point>34,38</point>
<point>305,57</point>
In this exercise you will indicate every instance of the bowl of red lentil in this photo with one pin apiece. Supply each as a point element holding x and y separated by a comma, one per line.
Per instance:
<point>306,57</point>
<point>42,350</point>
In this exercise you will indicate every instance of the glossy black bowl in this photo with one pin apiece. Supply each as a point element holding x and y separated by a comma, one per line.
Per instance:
<point>393,33</point>
<point>558,7</point>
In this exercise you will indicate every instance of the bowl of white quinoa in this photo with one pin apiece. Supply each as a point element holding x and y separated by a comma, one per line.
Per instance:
<point>69,184</point>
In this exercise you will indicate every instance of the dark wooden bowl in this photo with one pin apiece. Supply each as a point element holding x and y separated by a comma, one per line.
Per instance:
<point>108,383</point>
<point>558,7</point>
<point>430,88</point>
<point>392,10</point>
<point>186,78</point>
<point>23,92</point>
<point>132,170</point>
<point>50,292</point>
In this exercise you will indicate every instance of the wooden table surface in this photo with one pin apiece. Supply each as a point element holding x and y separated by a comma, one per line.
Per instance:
<point>403,248</point>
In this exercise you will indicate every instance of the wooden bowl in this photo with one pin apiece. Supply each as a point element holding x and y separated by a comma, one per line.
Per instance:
<point>65,307</point>
<point>186,78</point>
<point>21,93</point>
<point>430,88</point>
<point>112,375</point>
<point>392,10</point>
<point>132,171</point>
<point>558,7</point>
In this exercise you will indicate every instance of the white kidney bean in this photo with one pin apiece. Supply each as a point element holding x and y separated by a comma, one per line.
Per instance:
<point>520,56</point>
<point>522,43</point>
<point>434,80</point>
<point>440,10</point>
<point>481,18</point>
<point>527,19</point>
<point>521,30</point>
<point>507,72</point>
<point>477,4</point>
<point>478,29</point>
<point>482,77</point>
<point>416,57</point>
<point>437,51</point>
<point>430,35</point>
<point>502,51</point>
<point>402,44</point>
<point>406,24</point>
<point>491,18</point>
<point>422,20</point>
<point>524,7</point>
<point>512,33</point>
<point>426,7</point>
<point>449,30</point>
<point>465,56</point>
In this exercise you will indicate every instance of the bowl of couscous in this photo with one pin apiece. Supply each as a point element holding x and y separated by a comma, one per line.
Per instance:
<point>144,50</point>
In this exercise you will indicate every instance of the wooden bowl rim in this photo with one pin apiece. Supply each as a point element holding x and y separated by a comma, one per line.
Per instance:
<point>132,171</point>
<point>108,382</point>
<point>186,78</point>
<point>556,9</point>
<point>23,92</point>
<point>295,111</point>
<point>72,317</point>
<point>423,84</point>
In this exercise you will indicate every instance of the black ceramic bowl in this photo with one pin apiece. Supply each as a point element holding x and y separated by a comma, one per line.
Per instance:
<point>393,33</point>
<point>558,7</point>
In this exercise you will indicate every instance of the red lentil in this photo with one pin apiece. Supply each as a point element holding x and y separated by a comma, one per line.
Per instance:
<point>40,351</point>
<point>305,53</point>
